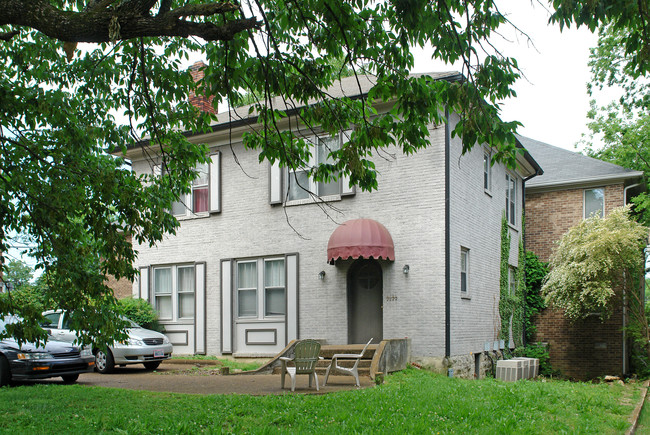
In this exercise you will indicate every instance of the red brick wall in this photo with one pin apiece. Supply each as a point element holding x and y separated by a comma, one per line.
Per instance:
<point>122,288</point>
<point>587,348</point>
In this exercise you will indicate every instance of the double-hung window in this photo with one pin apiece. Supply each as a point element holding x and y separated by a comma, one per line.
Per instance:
<point>594,202</point>
<point>511,199</point>
<point>487,170</point>
<point>512,280</point>
<point>261,288</point>
<point>205,191</point>
<point>174,289</point>
<point>197,201</point>
<point>464,271</point>
<point>301,185</point>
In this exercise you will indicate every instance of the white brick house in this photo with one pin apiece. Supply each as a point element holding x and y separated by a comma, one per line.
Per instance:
<point>248,269</point>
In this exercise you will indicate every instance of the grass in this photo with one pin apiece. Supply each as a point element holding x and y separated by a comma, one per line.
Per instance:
<point>409,402</point>
<point>644,419</point>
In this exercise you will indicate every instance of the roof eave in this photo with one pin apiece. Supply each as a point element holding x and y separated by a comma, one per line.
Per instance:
<point>584,182</point>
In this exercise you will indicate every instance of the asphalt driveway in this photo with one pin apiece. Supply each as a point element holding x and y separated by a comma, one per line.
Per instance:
<point>194,379</point>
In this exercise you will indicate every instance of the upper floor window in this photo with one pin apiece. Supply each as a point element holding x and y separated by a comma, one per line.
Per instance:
<point>594,202</point>
<point>301,185</point>
<point>487,170</point>
<point>511,199</point>
<point>173,292</point>
<point>205,194</point>
<point>464,271</point>
<point>197,201</point>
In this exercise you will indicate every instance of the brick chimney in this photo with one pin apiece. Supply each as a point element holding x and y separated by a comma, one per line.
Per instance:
<point>199,101</point>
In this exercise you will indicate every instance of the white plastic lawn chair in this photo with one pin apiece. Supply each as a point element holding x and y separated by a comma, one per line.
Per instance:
<point>354,370</point>
<point>303,362</point>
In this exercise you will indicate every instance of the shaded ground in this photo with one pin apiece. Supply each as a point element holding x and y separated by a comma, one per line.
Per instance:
<point>191,379</point>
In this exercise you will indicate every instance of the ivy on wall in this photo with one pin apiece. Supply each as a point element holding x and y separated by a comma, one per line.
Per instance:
<point>511,307</point>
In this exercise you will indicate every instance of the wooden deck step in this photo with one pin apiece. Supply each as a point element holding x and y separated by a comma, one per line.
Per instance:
<point>327,351</point>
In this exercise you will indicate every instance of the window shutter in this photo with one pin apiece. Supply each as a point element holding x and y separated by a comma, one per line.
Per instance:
<point>275,183</point>
<point>346,189</point>
<point>144,290</point>
<point>199,311</point>
<point>226,306</point>
<point>292,297</point>
<point>215,182</point>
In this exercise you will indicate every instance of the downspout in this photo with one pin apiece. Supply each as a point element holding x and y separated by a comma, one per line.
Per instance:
<point>624,296</point>
<point>447,239</point>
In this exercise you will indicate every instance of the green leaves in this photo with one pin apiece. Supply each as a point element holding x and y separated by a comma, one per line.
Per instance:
<point>594,264</point>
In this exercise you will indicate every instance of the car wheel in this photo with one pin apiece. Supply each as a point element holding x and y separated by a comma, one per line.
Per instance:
<point>5,374</point>
<point>70,379</point>
<point>151,365</point>
<point>104,362</point>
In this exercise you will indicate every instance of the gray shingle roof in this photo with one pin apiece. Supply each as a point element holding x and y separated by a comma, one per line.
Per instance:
<point>565,168</point>
<point>353,86</point>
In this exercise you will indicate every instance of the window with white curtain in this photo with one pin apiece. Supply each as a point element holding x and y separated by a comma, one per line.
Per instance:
<point>185,290</point>
<point>261,288</point>
<point>247,288</point>
<point>174,289</point>
<point>274,288</point>
<point>301,184</point>
<point>594,203</point>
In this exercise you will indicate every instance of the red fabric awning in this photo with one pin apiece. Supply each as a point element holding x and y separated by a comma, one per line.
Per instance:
<point>360,238</point>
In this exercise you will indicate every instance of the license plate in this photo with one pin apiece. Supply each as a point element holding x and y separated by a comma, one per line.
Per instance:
<point>159,353</point>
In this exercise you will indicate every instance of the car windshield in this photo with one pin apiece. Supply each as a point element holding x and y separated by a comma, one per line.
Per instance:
<point>131,323</point>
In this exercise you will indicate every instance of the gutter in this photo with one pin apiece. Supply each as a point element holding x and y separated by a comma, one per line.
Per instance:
<point>625,192</point>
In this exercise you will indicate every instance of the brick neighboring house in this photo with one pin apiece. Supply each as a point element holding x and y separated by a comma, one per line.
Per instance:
<point>572,187</point>
<point>257,262</point>
<point>122,288</point>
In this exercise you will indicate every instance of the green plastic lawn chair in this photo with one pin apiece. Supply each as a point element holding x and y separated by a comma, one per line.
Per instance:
<point>303,362</point>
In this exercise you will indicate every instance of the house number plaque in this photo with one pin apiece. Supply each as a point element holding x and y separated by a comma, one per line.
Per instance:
<point>391,298</point>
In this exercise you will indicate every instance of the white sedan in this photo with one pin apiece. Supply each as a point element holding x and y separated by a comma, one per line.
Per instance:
<point>143,346</point>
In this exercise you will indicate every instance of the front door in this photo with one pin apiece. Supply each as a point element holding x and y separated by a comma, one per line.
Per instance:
<point>365,295</point>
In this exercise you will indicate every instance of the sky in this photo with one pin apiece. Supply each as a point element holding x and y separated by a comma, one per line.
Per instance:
<point>552,100</point>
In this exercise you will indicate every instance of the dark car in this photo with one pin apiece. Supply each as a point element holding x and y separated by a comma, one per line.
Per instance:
<point>28,362</point>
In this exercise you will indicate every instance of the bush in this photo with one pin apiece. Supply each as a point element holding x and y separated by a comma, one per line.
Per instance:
<point>140,311</point>
<point>539,351</point>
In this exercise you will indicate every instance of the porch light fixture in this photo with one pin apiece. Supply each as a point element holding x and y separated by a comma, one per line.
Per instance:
<point>406,269</point>
<point>321,275</point>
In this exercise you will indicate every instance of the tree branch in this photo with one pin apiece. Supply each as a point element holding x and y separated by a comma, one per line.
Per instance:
<point>93,25</point>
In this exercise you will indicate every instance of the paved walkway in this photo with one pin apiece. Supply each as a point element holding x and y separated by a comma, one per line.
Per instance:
<point>187,378</point>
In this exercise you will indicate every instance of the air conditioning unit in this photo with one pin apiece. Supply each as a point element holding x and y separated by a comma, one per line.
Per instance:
<point>517,368</point>
<point>531,367</point>
<point>510,370</point>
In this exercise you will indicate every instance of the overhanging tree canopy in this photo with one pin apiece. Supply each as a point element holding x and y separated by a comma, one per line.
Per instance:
<point>60,186</point>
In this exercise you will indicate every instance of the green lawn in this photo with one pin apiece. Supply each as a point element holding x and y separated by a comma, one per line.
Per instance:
<point>409,402</point>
